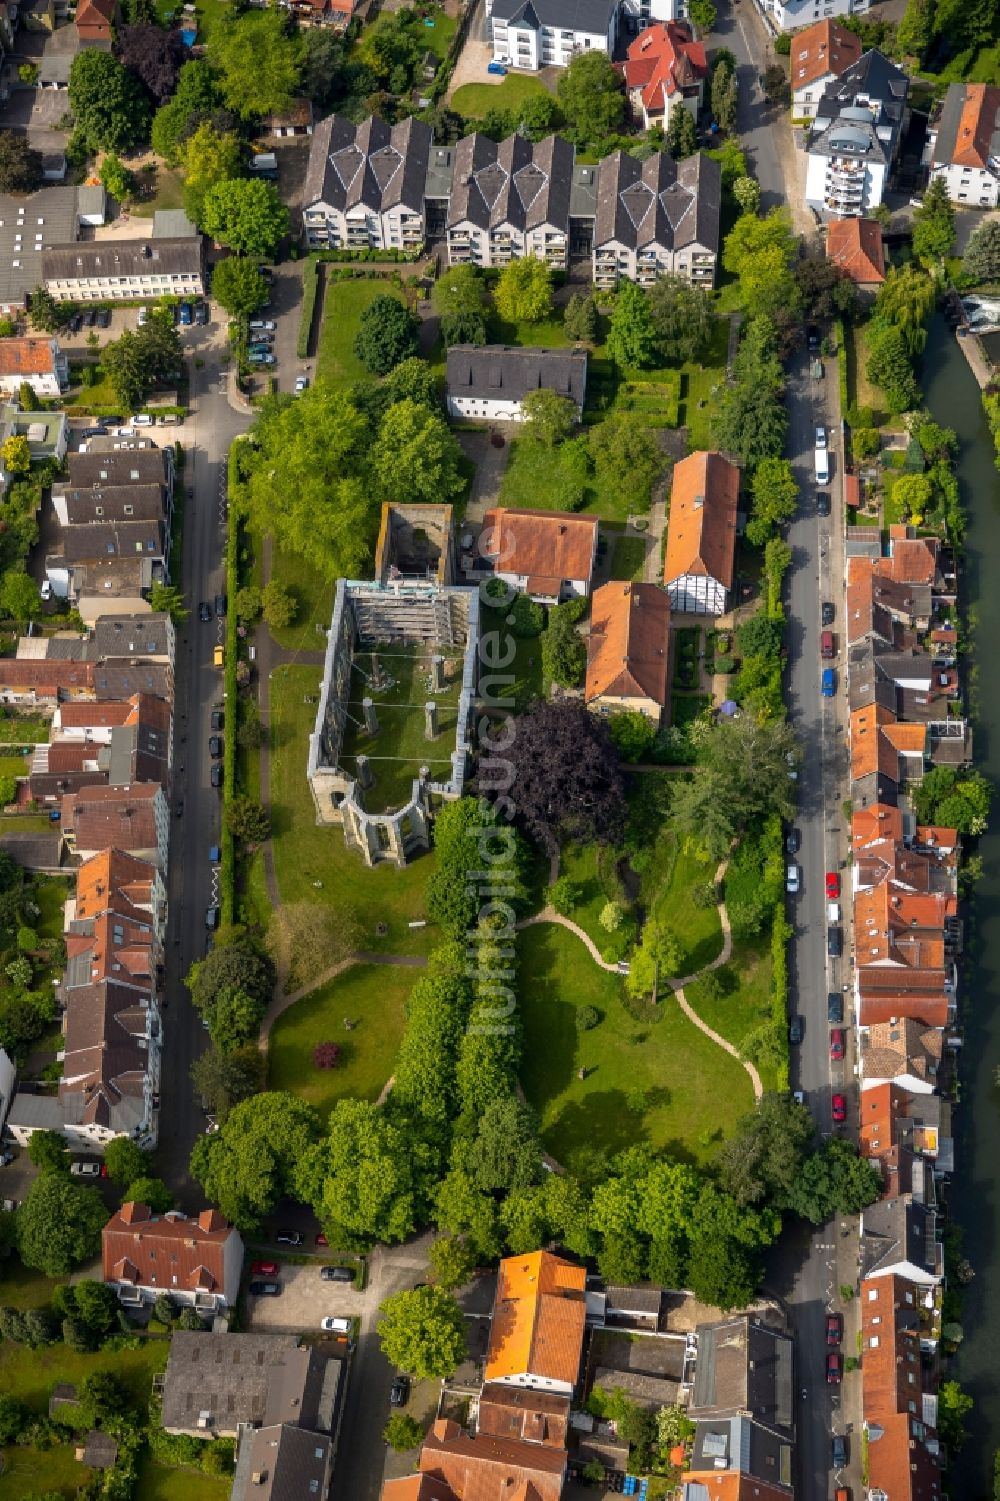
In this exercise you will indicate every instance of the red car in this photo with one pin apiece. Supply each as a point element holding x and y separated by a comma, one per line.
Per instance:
<point>838,1105</point>
<point>264,1269</point>
<point>321,1239</point>
<point>834,1328</point>
<point>833,1371</point>
<point>836,1043</point>
<point>832,885</point>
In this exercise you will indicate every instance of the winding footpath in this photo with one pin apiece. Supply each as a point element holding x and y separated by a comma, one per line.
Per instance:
<point>550,915</point>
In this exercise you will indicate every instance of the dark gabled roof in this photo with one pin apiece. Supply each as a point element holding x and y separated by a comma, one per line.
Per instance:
<point>495,372</point>
<point>134,466</point>
<point>873,86</point>
<point>96,541</point>
<point>134,636</point>
<point>106,258</point>
<point>280,1463</point>
<point>658,201</point>
<point>115,503</point>
<point>568,15</point>
<point>515,182</point>
<point>373,164</point>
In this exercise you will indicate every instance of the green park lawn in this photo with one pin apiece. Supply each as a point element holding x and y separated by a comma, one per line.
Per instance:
<point>474,100</point>
<point>661,1081</point>
<point>306,854</point>
<point>20,1287</point>
<point>582,863</point>
<point>669,877</point>
<point>746,1004</point>
<point>373,998</point>
<point>628,558</point>
<point>36,1471</point>
<point>343,304</point>
<point>532,481</point>
<point>313,592</point>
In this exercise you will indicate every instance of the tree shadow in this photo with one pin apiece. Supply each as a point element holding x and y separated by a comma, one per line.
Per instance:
<point>603,1120</point>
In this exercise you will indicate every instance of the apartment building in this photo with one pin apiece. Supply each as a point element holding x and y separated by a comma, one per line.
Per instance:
<point>123,270</point>
<point>133,818</point>
<point>509,200</point>
<point>856,131</point>
<point>899,1398</point>
<point>30,225</point>
<point>35,362</point>
<point>819,55</point>
<point>963,147</point>
<point>657,217</point>
<point>533,34</point>
<point>366,184</point>
<point>789,15</point>
<point>196,1260</point>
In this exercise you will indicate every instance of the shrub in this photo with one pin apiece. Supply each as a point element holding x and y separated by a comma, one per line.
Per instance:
<point>526,617</point>
<point>564,895</point>
<point>611,917</point>
<point>326,1054</point>
<point>587,1017</point>
<point>402,1432</point>
<point>725,664</point>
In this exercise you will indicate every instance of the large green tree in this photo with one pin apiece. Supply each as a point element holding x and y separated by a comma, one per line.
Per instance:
<point>981,261</point>
<point>47,1150</point>
<point>223,1080</point>
<point>142,358</point>
<point>367,1179</point>
<point>422,1331</point>
<point>387,334</point>
<point>548,417</point>
<point>210,157</point>
<point>761,1161</point>
<point>460,299</point>
<point>775,499</point>
<point>20,164</point>
<point>416,457</point>
<point>110,107</point>
<point>905,302</point>
<point>524,292</point>
<point>833,1180</point>
<point>592,98</point>
<point>246,214</point>
<point>197,95</point>
<point>125,1161</point>
<point>683,316</point>
<point>254,1159</point>
<point>237,965</point>
<point>59,1225</point>
<point>742,777</point>
<point>632,335</point>
<point>934,224</point>
<point>627,458</point>
<point>309,481</point>
<point>889,367</point>
<point>258,61</point>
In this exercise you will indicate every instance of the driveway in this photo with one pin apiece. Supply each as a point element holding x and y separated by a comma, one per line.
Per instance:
<point>305,1299</point>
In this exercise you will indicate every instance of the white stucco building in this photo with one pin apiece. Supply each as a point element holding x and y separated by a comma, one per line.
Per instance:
<point>533,34</point>
<point>963,148</point>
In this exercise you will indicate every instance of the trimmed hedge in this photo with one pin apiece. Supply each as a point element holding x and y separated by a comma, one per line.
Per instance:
<point>310,286</point>
<point>838,324</point>
<point>227,880</point>
<point>781,932</point>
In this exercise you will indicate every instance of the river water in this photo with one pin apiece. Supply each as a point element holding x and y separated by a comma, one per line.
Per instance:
<point>974,1194</point>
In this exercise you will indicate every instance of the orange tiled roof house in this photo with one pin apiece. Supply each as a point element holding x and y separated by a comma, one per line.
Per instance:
<point>701,534</point>
<point>197,1262</point>
<point>548,554</point>
<point>628,651</point>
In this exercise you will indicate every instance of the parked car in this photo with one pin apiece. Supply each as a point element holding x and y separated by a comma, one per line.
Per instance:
<point>835,1007</point>
<point>143,317</point>
<point>204,610</point>
<point>90,317</point>
<point>793,770</point>
<point>76,323</point>
<point>828,612</point>
<point>821,463</point>
<point>264,324</point>
<point>221,605</point>
<point>88,1169</point>
<point>201,313</point>
<point>822,504</point>
<point>46,590</point>
<point>321,1239</point>
<point>215,747</point>
<point>288,1238</point>
<point>218,719</point>
<point>335,1274</point>
<point>838,1109</point>
<point>301,382</point>
<point>265,1289</point>
<point>827,646</point>
<point>820,435</point>
<point>399,1392</point>
<point>216,777</point>
<point>834,1328</point>
<point>143,419</point>
<point>104,317</point>
<point>186,314</point>
<point>812,339</point>
<point>839,1451</point>
<point>793,841</point>
<point>828,685</point>
<point>795,1029</point>
<point>834,941</point>
<point>833,884</point>
<point>497,69</point>
<point>6,1157</point>
<point>834,1370</point>
<point>265,1269</point>
<point>211,918</point>
<point>261,359</point>
<point>214,855</point>
<point>837,1044</point>
<point>792,879</point>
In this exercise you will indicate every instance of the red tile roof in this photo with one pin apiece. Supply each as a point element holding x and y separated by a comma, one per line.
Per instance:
<point>976,126</point>
<point>492,1469</point>
<point>855,245</point>
<point>701,532</point>
<point>820,51</point>
<point>628,650</point>
<point>24,357</point>
<point>166,1252</point>
<point>662,61</point>
<point>544,546</point>
<point>538,1319</point>
<point>48,679</point>
<point>515,1412</point>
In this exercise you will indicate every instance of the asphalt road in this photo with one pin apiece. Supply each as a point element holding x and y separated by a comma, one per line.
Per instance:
<point>206,437</point>
<point>740,29</point>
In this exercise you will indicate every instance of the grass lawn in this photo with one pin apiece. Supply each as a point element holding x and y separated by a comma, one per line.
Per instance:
<point>36,1471</point>
<point>860,390</point>
<point>21,1287</point>
<point>15,766</point>
<point>661,1082</point>
<point>26,823</point>
<point>33,1373</point>
<point>628,561</point>
<point>532,480</point>
<point>667,887</point>
<point>22,729</point>
<point>892,510</point>
<point>581,862</point>
<point>685,708</point>
<point>698,380</point>
<point>344,302</point>
<point>474,100</point>
<point>50,894</point>
<point>373,998</point>
<point>438,37</point>
<point>158,1483</point>
<point>305,853</point>
<point>168,190</point>
<point>525,671</point>
<point>747,1005</point>
<point>400,747</point>
<point>314,593</point>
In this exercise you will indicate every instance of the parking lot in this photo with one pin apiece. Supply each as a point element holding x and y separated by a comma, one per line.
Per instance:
<point>304,1300</point>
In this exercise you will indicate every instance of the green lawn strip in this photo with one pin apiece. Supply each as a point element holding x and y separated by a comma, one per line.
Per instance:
<point>525,668</point>
<point>667,890</point>
<point>15,766</point>
<point>748,1005</point>
<point>33,1373</point>
<point>438,37</point>
<point>400,748</point>
<point>21,1287</point>
<point>344,302</point>
<point>582,864</point>
<point>700,383</point>
<point>169,193</point>
<point>50,895</point>
<point>685,707</point>
<point>661,1082</point>
<point>313,593</point>
<point>26,823</point>
<point>532,481</point>
<point>628,561</point>
<point>474,100</point>
<point>306,853</point>
<point>373,998</point>
<point>159,1483</point>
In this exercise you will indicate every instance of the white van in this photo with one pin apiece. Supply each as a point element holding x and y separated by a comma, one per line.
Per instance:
<point>833,912</point>
<point>822,461</point>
